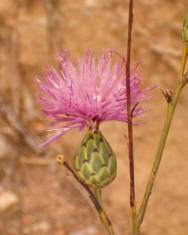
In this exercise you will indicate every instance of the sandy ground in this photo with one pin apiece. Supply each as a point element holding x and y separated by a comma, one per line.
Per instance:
<point>47,200</point>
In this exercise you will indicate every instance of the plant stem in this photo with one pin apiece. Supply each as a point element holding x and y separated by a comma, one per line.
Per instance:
<point>98,194</point>
<point>102,214</point>
<point>169,116</point>
<point>158,156</point>
<point>96,199</point>
<point>183,61</point>
<point>129,113</point>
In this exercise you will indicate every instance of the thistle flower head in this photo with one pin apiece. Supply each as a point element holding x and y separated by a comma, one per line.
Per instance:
<point>88,92</point>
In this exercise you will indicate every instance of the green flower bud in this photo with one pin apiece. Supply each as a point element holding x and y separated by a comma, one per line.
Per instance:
<point>185,30</point>
<point>96,162</point>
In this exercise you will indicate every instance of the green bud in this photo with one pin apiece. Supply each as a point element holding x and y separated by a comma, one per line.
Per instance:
<point>96,162</point>
<point>185,30</point>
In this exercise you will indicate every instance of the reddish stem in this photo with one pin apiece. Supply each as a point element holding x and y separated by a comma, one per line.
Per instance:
<point>129,108</point>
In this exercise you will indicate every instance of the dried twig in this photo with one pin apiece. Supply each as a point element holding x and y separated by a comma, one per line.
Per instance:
<point>19,127</point>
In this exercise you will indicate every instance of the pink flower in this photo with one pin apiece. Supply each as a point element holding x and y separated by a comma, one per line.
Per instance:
<point>87,93</point>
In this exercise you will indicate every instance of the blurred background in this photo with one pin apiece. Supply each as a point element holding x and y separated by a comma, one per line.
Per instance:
<point>36,195</point>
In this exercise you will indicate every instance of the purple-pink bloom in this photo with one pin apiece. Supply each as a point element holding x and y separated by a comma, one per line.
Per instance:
<point>88,92</point>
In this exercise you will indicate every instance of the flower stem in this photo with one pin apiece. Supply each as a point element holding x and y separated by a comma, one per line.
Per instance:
<point>102,214</point>
<point>98,194</point>
<point>168,121</point>
<point>129,113</point>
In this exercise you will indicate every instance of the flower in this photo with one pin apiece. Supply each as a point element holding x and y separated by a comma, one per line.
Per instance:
<point>87,93</point>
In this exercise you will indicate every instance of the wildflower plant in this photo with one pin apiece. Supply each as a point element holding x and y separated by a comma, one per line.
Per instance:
<point>85,93</point>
